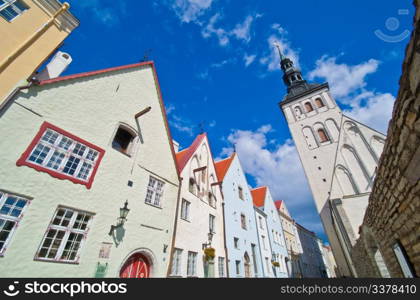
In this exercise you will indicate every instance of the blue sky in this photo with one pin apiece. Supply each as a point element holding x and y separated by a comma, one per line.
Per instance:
<point>217,66</point>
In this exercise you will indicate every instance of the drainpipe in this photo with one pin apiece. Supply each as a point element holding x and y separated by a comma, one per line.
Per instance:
<point>224,240</point>
<point>4,63</point>
<point>9,98</point>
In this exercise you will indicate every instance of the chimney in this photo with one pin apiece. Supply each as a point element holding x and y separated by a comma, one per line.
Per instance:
<point>176,146</point>
<point>57,65</point>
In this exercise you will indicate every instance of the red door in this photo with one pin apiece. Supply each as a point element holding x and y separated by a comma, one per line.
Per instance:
<point>137,266</point>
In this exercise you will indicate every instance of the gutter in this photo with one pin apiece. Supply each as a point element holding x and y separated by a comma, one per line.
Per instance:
<point>9,99</point>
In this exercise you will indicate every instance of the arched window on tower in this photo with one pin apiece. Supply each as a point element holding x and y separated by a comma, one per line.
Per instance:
<point>319,102</point>
<point>298,111</point>
<point>308,107</point>
<point>323,137</point>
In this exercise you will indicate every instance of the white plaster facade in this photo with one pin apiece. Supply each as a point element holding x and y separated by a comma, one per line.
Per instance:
<point>339,156</point>
<point>265,245</point>
<point>244,257</point>
<point>264,201</point>
<point>292,240</point>
<point>91,107</point>
<point>198,182</point>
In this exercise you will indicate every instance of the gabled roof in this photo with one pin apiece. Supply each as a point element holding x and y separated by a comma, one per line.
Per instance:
<point>278,204</point>
<point>125,67</point>
<point>184,156</point>
<point>258,196</point>
<point>222,166</point>
<point>91,73</point>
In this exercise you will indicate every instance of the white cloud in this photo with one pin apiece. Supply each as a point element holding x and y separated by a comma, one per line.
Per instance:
<point>249,59</point>
<point>272,59</point>
<point>376,111</point>
<point>241,31</point>
<point>343,79</point>
<point>348,84</point>
<point>190,10</point>
<point>182,125</point>
<point>220,33</point>
<point>277,166</point>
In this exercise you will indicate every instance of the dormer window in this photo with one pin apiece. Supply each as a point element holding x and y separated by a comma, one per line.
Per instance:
<point>123,140</point>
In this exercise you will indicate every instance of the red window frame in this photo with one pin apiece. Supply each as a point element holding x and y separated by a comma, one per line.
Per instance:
<point>23,160</point>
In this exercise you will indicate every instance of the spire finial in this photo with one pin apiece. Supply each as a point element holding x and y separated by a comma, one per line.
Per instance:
<point>278,46</point>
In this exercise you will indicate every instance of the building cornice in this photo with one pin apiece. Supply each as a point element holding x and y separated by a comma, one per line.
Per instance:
<point>51,6</point>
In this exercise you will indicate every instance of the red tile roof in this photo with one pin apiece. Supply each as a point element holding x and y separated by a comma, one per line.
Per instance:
<point>258,196</point>
<point>183,156</point>
<point>222,166</point>
<point>86,74</point>
<point>278,203</point>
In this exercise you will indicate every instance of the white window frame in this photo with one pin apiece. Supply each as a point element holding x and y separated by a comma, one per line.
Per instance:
<point>176,262</point>
<point>14,7</point>
<point>68,230</point>
<point>221,266</point>
<point>241,193</point>
<point>66,148</point>
<point>238,267</point>
<point>9,218</point>
<point>264,242</point>
<point>154,193</point>
<point>212,223</point>
<point>236,243</point>
<point>192,264</point>
<point>185,210</point>
<point>243,222</point>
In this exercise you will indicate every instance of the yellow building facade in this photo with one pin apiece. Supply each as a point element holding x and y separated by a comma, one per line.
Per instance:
<point>30,31</point>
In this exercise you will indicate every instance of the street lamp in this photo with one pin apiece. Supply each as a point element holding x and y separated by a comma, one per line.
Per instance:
<point>210,238</point>
<point>122,218</point>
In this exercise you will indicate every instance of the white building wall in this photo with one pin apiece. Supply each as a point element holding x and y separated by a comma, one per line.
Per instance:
<point>265,245</point>
<point>193,233</point>
<point>352,148</point>
<point>91,108</point>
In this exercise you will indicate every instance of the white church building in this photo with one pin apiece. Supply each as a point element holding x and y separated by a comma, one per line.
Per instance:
<point>339,156</point>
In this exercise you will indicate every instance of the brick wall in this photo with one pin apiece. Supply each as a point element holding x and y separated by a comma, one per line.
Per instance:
<point>393,212</point>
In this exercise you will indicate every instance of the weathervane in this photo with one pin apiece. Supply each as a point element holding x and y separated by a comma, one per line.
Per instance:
<point>146,55</point>
<point>201,126</point>
<point>277,45</point>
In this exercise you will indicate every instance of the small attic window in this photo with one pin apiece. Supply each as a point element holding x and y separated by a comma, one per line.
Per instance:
<point>123,140</point>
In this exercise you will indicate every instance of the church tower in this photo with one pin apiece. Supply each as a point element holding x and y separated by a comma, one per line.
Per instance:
<point>339,156</point>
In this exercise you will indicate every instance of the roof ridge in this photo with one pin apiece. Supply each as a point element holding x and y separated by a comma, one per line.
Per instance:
<point>96,72</point>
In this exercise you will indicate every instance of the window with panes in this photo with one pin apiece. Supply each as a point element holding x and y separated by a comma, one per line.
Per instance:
<point>62,155</point>
<point>10,9</point>
<point>65,235</point>
<point>221,266</point>
<point>154,191</point>
<point>212,220</point>
<point>11,212</point>
<point>192,264</point>
<point>185,210</point>
<point>176,262</point>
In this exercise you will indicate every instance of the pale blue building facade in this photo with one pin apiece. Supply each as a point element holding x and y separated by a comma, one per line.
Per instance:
<point>243,249</point>
<point>275,232</point>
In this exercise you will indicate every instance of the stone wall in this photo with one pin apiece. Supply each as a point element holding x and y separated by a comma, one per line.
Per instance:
<point>393,213</point>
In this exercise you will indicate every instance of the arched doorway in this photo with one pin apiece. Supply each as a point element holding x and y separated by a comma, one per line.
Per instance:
<point>136,266</point>
<point>247,266</point>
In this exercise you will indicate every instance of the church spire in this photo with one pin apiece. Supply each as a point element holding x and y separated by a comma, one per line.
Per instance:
<point>292,77</point>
